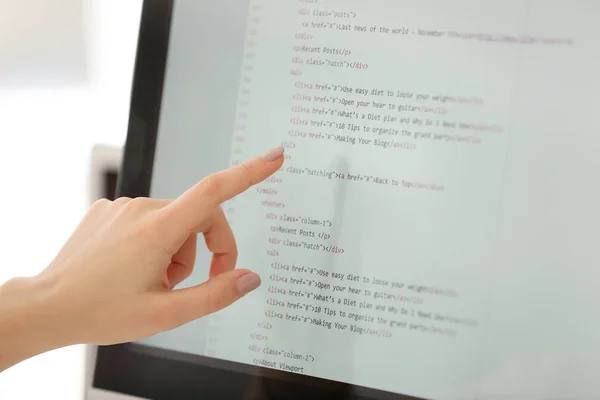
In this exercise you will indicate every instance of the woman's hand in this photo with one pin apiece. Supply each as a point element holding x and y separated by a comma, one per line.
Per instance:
<point>114,280</point>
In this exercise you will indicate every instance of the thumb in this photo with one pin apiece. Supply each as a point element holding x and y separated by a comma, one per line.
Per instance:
<point>186,305</point>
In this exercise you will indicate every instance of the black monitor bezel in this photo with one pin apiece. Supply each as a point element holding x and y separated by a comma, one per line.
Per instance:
<point>146,372</point>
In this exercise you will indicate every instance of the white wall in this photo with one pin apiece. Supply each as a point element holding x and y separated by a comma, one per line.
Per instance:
<point>42,42</point>
<point>45,139</point>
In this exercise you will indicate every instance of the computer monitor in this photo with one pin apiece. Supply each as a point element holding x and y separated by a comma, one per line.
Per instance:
<point>433,231</point>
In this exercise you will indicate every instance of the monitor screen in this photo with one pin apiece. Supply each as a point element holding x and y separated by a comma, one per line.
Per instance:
<point>433,231</point>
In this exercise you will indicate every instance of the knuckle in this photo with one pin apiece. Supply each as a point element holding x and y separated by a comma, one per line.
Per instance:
<point>210,186</point>
<point>101,204</point>
<point>138,203</point>
<point>247,175</point>
<point>216,299</point>
<point>137,206</point>
<point>122,201</point>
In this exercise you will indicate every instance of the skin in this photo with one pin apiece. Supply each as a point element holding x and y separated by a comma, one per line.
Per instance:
<point>115,279</point>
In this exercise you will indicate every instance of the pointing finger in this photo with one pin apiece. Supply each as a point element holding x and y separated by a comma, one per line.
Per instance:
<point>199,202</point>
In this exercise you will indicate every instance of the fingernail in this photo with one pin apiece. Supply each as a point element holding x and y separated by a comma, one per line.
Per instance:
<point>274,154</point>
<point>247,283</point>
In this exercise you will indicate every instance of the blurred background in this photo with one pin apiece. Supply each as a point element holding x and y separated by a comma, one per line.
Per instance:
<point>65,77</point>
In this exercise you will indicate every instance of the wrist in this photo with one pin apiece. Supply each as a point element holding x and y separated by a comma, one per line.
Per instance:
<point>29,324</point>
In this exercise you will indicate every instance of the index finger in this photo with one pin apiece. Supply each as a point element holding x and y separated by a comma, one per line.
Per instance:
<point>200,201</point>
